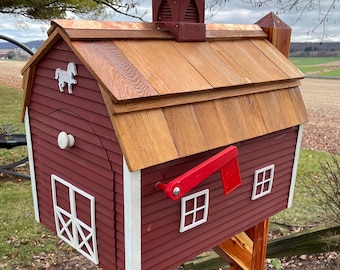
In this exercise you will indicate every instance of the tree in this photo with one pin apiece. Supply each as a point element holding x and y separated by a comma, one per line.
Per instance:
<point>49,9</point>
<point>324,10</point>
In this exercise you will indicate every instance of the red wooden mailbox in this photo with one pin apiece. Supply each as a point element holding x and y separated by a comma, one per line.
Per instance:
<point>111,109</point>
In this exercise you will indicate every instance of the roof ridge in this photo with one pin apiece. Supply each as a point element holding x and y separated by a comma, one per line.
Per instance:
<point>94,30</point>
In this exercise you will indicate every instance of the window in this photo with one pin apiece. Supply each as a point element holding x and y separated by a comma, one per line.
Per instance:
<point>74,213</point>
<point>194,210</point>
<point>263,182</point>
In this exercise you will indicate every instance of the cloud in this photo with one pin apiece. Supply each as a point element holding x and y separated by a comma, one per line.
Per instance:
<point>234,12</point>
<point>22,29</point>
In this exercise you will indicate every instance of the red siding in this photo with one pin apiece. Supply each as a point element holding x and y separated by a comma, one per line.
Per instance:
<point>163,247</point>
<point>92,164</point>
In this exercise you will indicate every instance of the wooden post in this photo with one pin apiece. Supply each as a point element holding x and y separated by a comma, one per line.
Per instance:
<point>260,245</point>
<point>247,250</point>
<point>237,251</point>
<point>278,32</point>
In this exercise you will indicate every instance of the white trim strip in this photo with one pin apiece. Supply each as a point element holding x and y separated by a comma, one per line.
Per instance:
<point>31,164</point>
<point>295,167</point>
<point>132,218</point>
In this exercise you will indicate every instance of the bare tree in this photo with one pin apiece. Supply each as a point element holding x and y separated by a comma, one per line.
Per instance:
<point>324,10</point>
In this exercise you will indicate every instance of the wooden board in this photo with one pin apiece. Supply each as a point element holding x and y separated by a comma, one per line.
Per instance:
<point>155,136</point>
<point>163,66</point>
<point>113,70</point>
<point>279,59</point>
<point>137,132</point>
<point>239,249</point>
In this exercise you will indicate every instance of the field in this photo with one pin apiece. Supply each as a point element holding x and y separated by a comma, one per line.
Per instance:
<point>24,241</point>
<point>10,73</point>
<point>318,66</point>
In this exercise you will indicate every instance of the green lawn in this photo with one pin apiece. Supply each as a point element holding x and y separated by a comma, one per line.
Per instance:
<point>305,210</point>
<point>313,65</point>
<point>333,73</point>
<point>10,109</point>
<point>308,61</point>
<point>23,241</point>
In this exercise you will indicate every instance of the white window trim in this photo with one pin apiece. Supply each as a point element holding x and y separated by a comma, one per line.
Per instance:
<point>77,224</point>
<point>257,183</point>
<point>31,165</point>
<point>184,212</point>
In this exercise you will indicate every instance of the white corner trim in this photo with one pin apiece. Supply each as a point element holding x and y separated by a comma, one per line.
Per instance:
<point>132,218</point>
<point>295,166</point>
<point>31,164</point>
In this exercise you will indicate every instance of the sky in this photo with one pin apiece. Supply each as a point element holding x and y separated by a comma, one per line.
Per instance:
<point>234,12</point>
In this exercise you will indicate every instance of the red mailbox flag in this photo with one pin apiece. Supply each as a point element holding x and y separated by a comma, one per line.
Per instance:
<point>225,161</point>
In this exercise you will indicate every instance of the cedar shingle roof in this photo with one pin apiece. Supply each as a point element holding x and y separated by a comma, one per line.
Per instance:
<point>168,100</point>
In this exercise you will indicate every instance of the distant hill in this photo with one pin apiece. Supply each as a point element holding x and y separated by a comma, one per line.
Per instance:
<point>31,44</point>
<point>296,48</point>
<point>330,49</point>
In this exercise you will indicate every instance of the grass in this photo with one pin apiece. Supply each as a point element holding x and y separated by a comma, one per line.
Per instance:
<point>308,61</point>
<point>313,65</point>
<point>305,210</point>
<point>10,108</point>
<point>333,73</point>
<point>23,241</point>
<point>21,238</point>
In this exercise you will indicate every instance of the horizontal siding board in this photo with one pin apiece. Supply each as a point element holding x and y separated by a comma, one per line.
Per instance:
<point>80,90</point>
<point>87,165</point>
<point>86,184</point>
<point>77,153</point>
<point>173,216</point>
<point>164,264</point>
<point>66,124</point>
<point>227,214</point>
<point>221,232</point>
<point>69,102</point>
<point>75,162</point>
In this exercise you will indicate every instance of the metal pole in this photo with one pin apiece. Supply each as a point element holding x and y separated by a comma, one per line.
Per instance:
<point>22,46</point>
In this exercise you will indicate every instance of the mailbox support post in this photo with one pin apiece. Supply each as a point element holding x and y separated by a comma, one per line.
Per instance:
<point>246,250</point>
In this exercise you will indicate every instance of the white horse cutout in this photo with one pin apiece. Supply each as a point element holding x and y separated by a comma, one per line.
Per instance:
<point>66,76</point>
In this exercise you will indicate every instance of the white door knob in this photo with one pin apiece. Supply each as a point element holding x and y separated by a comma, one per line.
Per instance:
<point>65,140</point>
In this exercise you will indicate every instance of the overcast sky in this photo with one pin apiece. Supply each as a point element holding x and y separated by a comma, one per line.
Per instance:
<point>234,12</point>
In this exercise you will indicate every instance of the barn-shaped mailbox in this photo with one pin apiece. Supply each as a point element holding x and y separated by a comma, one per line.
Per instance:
<point>146,151</point>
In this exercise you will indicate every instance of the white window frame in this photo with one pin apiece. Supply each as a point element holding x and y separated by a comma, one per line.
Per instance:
<point>185,213</point>
<point>83,230</point>
<point>261,182</point>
